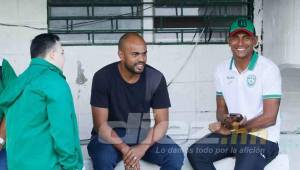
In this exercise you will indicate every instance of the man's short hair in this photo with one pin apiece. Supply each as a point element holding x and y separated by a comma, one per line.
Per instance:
<point>41,44</point>
<point>125,37</point>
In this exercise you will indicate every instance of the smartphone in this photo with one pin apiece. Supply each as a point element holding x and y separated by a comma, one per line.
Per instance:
<point>236,116</point>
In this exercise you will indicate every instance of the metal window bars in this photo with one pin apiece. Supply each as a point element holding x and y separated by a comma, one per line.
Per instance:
<point>102,22</point>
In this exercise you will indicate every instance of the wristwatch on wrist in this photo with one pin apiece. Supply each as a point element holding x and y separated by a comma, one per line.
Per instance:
<point>2,141</point>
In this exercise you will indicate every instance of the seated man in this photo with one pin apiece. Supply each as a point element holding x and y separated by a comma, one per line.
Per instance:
<point>121,97</point>
<point>248,85</point>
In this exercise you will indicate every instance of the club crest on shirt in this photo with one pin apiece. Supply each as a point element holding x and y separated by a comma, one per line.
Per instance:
<point>251,79</point>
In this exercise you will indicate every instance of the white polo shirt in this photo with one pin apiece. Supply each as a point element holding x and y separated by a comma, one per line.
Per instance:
<point>244,92</point>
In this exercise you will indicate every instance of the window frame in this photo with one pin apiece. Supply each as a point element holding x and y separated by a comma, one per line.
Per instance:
<point>156,30</point>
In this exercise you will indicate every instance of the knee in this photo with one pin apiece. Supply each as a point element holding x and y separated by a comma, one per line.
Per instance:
<point>175,157</point>
<point>103,158</point>
<point>102,155</point>
<point>193,152</point>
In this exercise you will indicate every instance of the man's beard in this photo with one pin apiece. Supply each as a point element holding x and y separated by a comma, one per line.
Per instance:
<point>132,70</point>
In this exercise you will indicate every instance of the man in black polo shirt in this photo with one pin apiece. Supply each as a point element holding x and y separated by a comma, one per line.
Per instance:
<point>122,95</point>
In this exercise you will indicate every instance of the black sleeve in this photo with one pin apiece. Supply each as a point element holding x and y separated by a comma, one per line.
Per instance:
<point>99,92</point>
<point>161,98</point>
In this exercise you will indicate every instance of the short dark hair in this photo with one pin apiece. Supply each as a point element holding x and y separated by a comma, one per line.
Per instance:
<point>125,36</point>
<point>42,43</point>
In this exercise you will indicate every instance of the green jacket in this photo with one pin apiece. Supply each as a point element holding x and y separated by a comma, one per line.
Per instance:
<point>8,75</point>
<point>42,132</point>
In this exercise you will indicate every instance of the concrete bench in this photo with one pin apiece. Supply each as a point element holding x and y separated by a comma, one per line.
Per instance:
<point>185,137</point>
<point>281,162</point>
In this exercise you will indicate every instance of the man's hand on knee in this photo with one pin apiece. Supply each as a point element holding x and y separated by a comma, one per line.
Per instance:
<point>134,155</point>
<point>133,167</point>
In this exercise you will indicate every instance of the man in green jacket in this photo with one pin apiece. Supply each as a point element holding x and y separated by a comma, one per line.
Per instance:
<point>42,132</point>
<point>7,74</point>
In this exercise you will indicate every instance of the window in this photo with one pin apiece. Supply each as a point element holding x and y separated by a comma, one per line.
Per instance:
<point>177,20</point>
<point>102,22</point>
<point>91,22</point>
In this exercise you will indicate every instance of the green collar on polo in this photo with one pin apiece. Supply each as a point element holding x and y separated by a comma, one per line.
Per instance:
<point>251,64</point>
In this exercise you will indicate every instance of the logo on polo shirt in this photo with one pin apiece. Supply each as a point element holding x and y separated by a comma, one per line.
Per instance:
<point>230,77</point>
<point>251,79</point>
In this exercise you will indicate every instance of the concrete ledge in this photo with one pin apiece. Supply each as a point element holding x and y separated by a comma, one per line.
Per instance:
<point>281,162</point>
<point>198,130</point>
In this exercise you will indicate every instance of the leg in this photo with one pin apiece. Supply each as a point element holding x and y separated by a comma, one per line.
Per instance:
<point>104,156</point>
<point>255,155</point>
<point>165,153</point>
<point>3,163</point>
<point>205,151</point>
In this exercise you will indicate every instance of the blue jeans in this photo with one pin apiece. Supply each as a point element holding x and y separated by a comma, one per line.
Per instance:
<point>3,164</point>
<point>251,152</point>
<point>165,153</point>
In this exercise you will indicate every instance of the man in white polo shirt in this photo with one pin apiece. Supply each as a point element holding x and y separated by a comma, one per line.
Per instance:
<point>248,89</point>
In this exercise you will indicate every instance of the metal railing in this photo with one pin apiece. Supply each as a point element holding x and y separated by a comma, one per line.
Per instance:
<point>102,22</point>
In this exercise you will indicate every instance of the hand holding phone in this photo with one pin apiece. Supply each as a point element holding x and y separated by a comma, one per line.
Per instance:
<point>236,117</point>
<point>233,120</point>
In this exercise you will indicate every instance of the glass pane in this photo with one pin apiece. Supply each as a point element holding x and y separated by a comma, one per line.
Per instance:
<point>114,11</point>
<point>188,37</point>
<point>58,25</point>
<point>165,11</point>
<point>108,38</point>
<point>167,37</point>
<point>68,11</point>
<point>116,2</point>
<point>74,38</point>
<point>92,25</point>
<point>98,2</point>
<point>194,2</point>
<point>129,24</point>
<point>218,37</point>
<point>237,10</point>
<point>190,11</point>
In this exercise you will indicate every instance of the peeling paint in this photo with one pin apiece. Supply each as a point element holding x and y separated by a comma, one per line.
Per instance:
<point>81,79</point>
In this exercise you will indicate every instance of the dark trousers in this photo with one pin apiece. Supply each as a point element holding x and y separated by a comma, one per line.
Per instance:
<point>251,152</point>
<point>165,153</point>
<point>3,160</point>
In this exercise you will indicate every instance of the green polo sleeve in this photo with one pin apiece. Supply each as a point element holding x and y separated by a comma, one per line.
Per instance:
<point>63,125</point>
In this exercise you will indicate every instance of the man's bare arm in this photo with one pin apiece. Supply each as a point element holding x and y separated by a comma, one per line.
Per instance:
<point>161,117</point>
<point>222,121</point>
<point>100,117</point>
<point>2,130</point>
<point>155,133</point>
<point>222,110</point>
<point>267,118</point>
